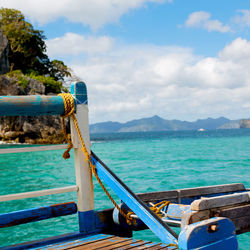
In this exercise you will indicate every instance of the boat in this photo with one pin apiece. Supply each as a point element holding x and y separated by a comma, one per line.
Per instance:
<point>201,129</point>
<point>208,217</point>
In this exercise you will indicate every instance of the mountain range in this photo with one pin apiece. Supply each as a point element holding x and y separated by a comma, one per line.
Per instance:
<point>157,123</point>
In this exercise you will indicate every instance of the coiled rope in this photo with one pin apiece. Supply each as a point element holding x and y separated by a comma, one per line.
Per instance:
<point>69,108</point>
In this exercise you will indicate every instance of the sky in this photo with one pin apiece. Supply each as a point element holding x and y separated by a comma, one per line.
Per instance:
<point>179,59</point>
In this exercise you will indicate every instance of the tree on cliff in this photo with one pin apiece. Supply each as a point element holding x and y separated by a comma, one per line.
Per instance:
<point>27,50</point>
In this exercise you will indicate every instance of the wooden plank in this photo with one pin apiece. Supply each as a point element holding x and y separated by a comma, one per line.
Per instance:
<point>32,149</point>
<point>189,192</point>
<point>235,212</point>
<point>101,243</point>
<point>79,242</point>
<point>44,192</point>
<point>242,224</point>
<point>135,245</point>
<point>156,196</point>
<point>105,242</point>
<point>120,245</point>
<point>220,201</point>
<point>195,216</point>
<point>157,247</point>
<point>37,214</point>
<point>148,245</point>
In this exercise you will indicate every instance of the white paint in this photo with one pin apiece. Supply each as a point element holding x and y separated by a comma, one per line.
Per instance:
<point>85,194</point>
<point>25,195</point>
<point>32,149</point>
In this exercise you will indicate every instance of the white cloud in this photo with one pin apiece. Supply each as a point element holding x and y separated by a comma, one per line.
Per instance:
<point>243,18</point>
<point>75,44</point>
<point>201,19</point>
<point>127,82</point>
<point>238,51</point>
<point>94,13</point>
<point>196,18</point>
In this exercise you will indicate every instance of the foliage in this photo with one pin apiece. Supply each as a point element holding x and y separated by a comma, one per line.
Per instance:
<point>27,52</point>
<point>27,46</point>
<point>20,77</point>
<point>59,70</point>
<point>51,85</point>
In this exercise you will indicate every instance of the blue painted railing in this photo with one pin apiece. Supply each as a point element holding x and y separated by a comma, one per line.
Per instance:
<point>31,105</point>
<point>36,105</point>
<point>37,214</point>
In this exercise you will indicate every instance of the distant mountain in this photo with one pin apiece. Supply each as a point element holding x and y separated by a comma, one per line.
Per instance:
<point>157,123</point>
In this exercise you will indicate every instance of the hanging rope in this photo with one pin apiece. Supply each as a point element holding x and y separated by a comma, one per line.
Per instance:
<point>69,111</point>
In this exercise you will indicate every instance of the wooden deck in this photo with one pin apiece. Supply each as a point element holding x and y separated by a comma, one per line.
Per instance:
<point>106,242</point>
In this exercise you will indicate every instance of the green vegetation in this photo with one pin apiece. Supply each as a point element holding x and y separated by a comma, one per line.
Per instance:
<point>27,53</point>
<point>51,85</point>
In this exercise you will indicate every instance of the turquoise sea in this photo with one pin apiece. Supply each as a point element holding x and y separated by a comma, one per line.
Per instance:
<point>145,161</point>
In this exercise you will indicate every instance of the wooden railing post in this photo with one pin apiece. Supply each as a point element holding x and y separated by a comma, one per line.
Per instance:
<point>85,194</point>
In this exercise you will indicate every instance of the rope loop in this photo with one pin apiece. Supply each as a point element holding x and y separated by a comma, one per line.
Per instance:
<point>69,105</point>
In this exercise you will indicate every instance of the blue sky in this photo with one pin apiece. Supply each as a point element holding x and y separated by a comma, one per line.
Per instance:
<point>180,59</point>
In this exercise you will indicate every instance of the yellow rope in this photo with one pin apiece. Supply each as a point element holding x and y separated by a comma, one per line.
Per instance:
<point>158,206</point>
<point>69,111</point>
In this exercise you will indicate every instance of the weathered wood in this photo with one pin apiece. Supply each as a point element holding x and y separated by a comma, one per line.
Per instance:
<point>176,195</point>
<point>71,244</point>
<point>19,196</point>
<point>225,188</point>
<point>158,247</point>
<point>32,149</point>
<point>235,212</point>
<point>119,245</point>
<point>37,214</point>
<point>149,245</point>
<point>242,224</point>
<point>195,216</point>
<point>100,244</point>
<point>156,196</point>
<point>219,201</point>
<point>135,244</point>
<point>240,216</point>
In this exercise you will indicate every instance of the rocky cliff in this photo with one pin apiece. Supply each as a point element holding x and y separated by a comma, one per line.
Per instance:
<point>4,51</point>
<point>33,130</point>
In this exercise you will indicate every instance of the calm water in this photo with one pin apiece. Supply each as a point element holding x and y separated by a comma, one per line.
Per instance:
<point>146,162</point>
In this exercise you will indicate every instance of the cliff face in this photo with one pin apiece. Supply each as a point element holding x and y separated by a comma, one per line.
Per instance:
<point>33,130</point>
<point>4,51</point>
